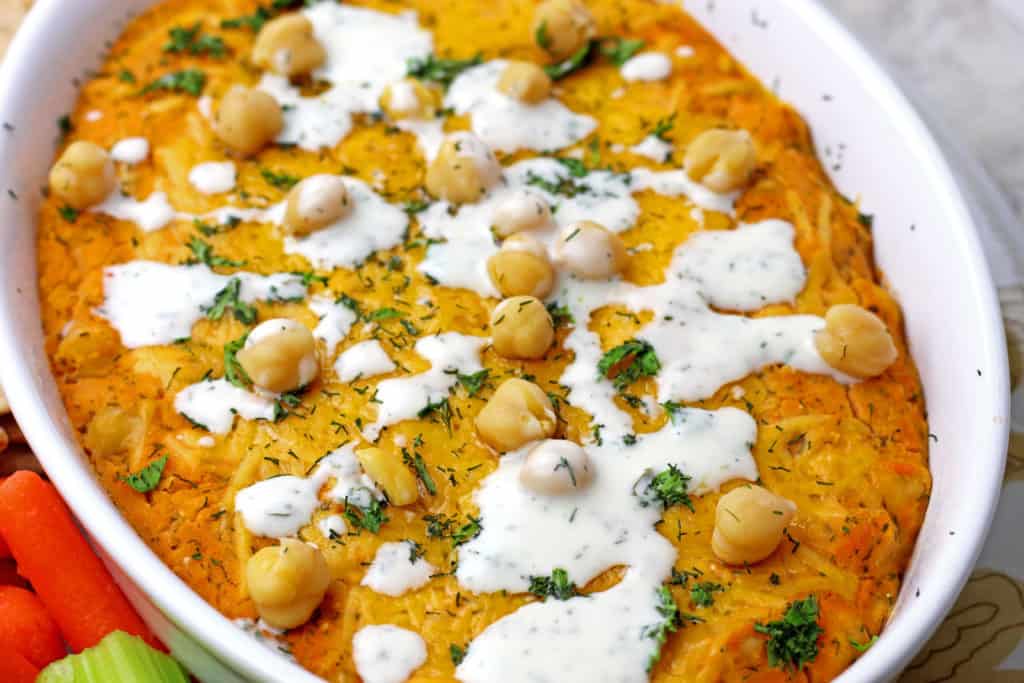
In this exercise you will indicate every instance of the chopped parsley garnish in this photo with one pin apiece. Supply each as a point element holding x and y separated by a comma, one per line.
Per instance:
<point>457,653</point>
<point>440,526</point>
<point>228,299</point>
<point>349,303</point>
<point>576,62</point>
<point>560,315</point>
<point>126,76</point>
<point>233,370</point>
<point>441,410</point>
<point>68,213</point>
<point>210,230</point>
<point>415,206</point>
<point>541,36</point>
<point>416,462</point>
<point>672,620</point>
<point>286,404</point>
<point>193,42</point>
<point>191,81</point>
<point>467,532</point>
<point>628,362</point>
<point>619,50</point>
<point>866,219</point>
<point>202,252</point>
<point>577,169</point>
<point>563,186</point>
<point>147,479</point>
<point>383,314</point>
<point>669,487</point>
<point>279,179</point>
<point>265,13</point>
<point>793,640</point>
<point>703,594</point>
<point>663,127</point>
<point>442,71</point>
<point>371,518</point>
<point>863,647</point>
<point>475,382</point>
<point>309,277</point>
<point>557,586</point>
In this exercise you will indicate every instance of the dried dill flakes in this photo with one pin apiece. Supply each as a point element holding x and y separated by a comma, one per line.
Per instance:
<point>148,478</point>
<point>793,640</point>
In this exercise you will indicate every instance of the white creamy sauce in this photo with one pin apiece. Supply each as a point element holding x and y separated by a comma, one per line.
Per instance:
<point>93,115</point>
<point>150,214</point>
<point>365,359</point>
<point>152,303</point>
<point>610,523</point>
<point>429,134</point>
<point>387,654</point>
<point>366,50</point>
<point>205,106</point>
<point>332,526</point>
<point>677,183</point>
<point>647,66</point>
<point>653,148</point>
<point>403,398</point>
<point>215,403</point>
<point>213,177</point>
<point>505,123</point>
<point>372,224</point>
<point>336,320</point>
<point>396,570</point>
<point>685,51</point>
<point>130,150</point>
<point>280,506</point>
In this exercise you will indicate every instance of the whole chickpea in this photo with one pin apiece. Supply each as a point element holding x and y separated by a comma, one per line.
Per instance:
<point>590,251</point>
<point>521,267</point>
<point>521,328</point>
<point>556,467</point>
<point>523,210</point>
<point>856,342</point>
<point>389,472</point>
<point>562,27</point>
<point>315,203</point>
<point>721,160</point>
<point>280,356</point>
<point>287,582</point>
<point>525,81</point>
<point>83,176</point>
<point>410,99</point>
<point>464,169</point>
<point>247,120</point>
<point>287,46</point>
<point>519,412</point>
<point>749,522</point>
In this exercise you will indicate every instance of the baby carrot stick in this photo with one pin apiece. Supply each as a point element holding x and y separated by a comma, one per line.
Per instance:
<point>26,626</point>
<point>68,577</point>
<point>14,668</point>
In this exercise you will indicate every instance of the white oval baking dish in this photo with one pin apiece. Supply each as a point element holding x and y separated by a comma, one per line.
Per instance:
<point>875,147</point>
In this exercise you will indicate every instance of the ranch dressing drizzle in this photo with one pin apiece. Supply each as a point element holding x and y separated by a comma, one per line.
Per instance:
<point>404,398</point>
<point>152,303</point>
<point>152,213</point>
<point>130,150</point>
<point>611,523</point>
<point>366,50</point>
<point>280,506</point>
<point>387,654</point>
<point>213,177</point>
<point>505,123</point>
<point>466,229</point>
<point>647,66</point>
<point>214,404</point>
<point>653,148</point>
<point>365,359</point>
<point>396,570</point>
<point>335,321</point>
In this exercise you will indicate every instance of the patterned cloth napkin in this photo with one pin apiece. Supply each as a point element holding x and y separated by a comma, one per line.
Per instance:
<point>981,639</point>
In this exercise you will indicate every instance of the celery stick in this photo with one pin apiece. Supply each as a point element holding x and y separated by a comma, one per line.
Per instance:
<point>119,658</point>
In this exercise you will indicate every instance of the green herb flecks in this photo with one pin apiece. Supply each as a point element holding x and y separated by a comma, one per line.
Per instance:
<point>279,179</point>
<point>557,586</point>
<point>669,487</point>
<point>68,213</point>
<point>457,653</point>
<point>628,362</point>
<point>475,382</point>
<point>703,594</point>
<point>415,461</point>
<point>793,640</point>
<point>580,59</point>
<point>202,252</point>
<point>542,37</point>
<point>663,127</point>
<point>576,168</point>
<point>443,71</point>
<point>229,299</point>
<point>192,41</point>
<point>147,479</point>
<point>371,518</point>
<point>672,620</point>
<point>619,50</point>
<point>560,315</point>
<point>863,647</point>
<point>467,532</point>
<point>233,370</point>
<point>438,410</point>
<point>191,81</point>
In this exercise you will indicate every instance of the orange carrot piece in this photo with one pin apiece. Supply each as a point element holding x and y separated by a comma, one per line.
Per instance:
<point>67,575</point>
<point>14,668</point>
<point>5,552</point>
<point>27,627</point>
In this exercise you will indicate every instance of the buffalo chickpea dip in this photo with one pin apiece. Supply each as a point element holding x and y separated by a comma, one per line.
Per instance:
<point>518,340</point>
